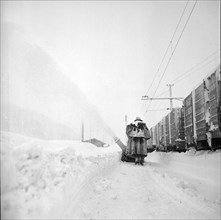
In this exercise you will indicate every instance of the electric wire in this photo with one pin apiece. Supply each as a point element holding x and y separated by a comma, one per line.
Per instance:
<point>178,79</point>
<point>175,82</point>
<point>184,75</point>
<point>168,47</point>
<point>173,51</point>
<point>155,75</point>
<point>155,110</point>
<point>162,93</point>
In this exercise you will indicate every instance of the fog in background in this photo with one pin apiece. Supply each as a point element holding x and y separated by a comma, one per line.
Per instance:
<point>67,61</point>
<point>37,99</point>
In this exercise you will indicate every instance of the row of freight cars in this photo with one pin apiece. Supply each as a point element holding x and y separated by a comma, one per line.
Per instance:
<point>197,124</point>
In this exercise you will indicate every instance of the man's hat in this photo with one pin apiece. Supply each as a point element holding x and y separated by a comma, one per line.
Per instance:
<point>138,119</point>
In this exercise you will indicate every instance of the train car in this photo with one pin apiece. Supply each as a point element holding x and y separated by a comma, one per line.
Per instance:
<point>167,131</point>
<point>219,100</point>
<point>170,132</point>
<point>156,131</point>
<point>153,137</point>
<point>180,142</point>
<point>163,133</point>
<point>177,137</point>
<point>161,136</point>
<point>212,96</point>
<point>188,121</point>
<point>201,98</point>
<point>181,132</point>
<point>202,113</point>
<point>173,129</point>
<point>198,123</point>
<point>151,143</point>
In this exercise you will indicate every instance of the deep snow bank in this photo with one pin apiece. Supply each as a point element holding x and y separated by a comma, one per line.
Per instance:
<point>39,178</point>
<point>199,170</point>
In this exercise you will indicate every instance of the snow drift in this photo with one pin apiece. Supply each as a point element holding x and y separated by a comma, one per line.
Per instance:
<point>39,177</point>
<point>43,179</point>
<point>199,170</point>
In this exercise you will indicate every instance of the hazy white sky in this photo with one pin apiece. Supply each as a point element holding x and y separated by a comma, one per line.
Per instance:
<point>112,49</point>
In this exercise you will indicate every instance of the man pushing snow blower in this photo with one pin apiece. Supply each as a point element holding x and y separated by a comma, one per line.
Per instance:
<point>136,149</point>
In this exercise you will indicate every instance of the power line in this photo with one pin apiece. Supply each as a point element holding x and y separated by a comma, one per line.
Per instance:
<point>156,110</point>
<point>174,49</point>
<point>196,70</point>
<point>162,93</point>
<point>166,52</point>
<point>182,76</point>
<point>168,46</point>
<point>190,70</point>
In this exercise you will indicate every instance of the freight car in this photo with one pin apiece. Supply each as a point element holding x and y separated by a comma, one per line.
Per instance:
<point>169,132</point>
<point>161,138</point>
<point>189,121</point>
<point>202,114</point>
<point>198,123</point>
<point>151,143</point>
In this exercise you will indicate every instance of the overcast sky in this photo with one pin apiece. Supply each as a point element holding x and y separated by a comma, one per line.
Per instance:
<point>112,49</point>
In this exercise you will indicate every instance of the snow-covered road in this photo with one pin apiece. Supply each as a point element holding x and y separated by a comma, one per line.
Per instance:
<point>135,192</point>
<point>58,179</point>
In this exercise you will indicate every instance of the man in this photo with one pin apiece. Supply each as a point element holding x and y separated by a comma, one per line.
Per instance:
<point>138,134</point>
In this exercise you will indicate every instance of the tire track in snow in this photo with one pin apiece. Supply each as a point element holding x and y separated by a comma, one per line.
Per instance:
<point>184,196</point>
<point>135,192</point>
<point>74,193</point>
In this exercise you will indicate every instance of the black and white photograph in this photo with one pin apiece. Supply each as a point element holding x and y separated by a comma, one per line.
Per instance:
<point>110,109</point>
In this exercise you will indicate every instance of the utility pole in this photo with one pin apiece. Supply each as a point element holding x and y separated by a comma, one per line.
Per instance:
<point>145,97</point>
<point>171,104</point>
<point>126,127</point>
<point>170,90</point>
<point>125,120</point>
<point>82,131</point>
<point>171,108</point>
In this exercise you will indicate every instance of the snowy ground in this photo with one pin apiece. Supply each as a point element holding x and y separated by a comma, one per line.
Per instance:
<point>70,179</point>
<point>38,176</point>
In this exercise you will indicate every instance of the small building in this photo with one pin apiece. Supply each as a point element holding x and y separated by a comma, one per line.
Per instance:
<point>96,142</point>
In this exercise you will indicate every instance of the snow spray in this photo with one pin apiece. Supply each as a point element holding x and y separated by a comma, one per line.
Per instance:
<point>38,99</point>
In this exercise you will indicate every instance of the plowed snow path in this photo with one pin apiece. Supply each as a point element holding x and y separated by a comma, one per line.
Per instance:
<point>136,192</point>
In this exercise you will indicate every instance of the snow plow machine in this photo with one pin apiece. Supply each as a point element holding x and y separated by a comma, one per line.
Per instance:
<point>125,157</point>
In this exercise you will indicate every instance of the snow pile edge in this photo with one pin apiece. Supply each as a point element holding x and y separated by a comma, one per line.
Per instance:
<point>40,177</point>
